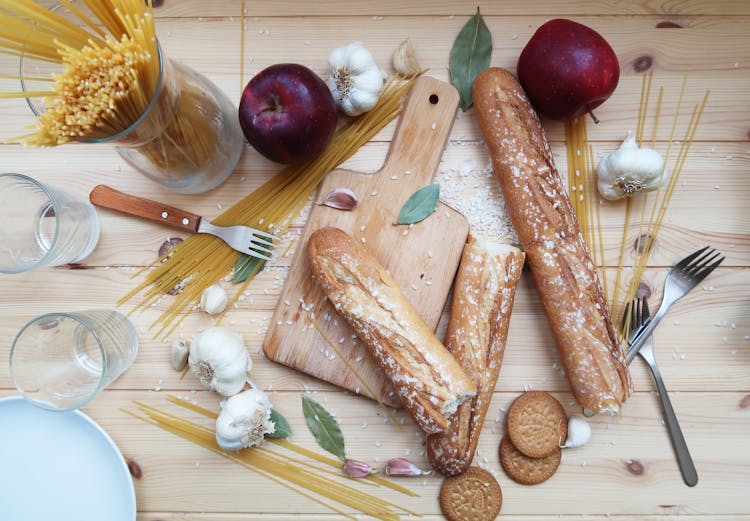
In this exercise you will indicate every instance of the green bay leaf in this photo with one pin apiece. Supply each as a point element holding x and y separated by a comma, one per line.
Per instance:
<point>324,427</point>
<point>247,267</point>
<point>283,430</point>
<point>420,205</point>
<point>470,55</point>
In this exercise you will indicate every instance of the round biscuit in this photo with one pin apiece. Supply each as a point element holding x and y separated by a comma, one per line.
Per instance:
<point>522,469</point>
<point>537,424</point>
<point>474,495</point>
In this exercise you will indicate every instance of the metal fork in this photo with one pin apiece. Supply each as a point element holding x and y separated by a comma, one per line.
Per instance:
<point>683,277</point>
<point>639,315</point>
<point>244,239</point>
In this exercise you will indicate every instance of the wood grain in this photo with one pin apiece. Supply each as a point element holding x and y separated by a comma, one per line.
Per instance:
<point>422,258</point>
<point>703,345</point>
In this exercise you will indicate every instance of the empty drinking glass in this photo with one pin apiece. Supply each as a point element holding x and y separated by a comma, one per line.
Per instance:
<point>42,226</point>
<point>60,361</point>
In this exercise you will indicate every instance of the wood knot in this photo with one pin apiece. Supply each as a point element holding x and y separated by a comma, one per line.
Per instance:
<point>135,469</point>
<point>635,467</point>
<point>668,24</point>
<point>157,3</point>
<point>643,63</point>
<point>643,290</point>
<point>644,243</point>
<point>745,402</point>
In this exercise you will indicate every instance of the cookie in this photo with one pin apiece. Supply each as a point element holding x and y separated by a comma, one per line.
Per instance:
<point>472,496</point>
<point>522,469</point>
<point>537,424</point>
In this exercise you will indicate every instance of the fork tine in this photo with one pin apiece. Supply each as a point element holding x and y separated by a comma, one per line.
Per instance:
<point>702,274</point>
<point>258,240</point>
<point>259,248</point>
<point>260,255</point>
<point>265,235</point>
<point>703,261</point>
<point>687,260</point>
<point>645,311</point>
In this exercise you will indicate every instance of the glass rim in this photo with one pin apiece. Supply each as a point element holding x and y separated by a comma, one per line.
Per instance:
<point>55,207</point>
<point>47,405</point>
<point>122,133</point>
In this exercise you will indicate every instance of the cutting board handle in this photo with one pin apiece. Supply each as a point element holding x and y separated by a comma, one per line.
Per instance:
<point>423,129</point>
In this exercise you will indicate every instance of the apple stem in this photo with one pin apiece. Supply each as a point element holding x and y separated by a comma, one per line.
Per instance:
<point>593,116</point>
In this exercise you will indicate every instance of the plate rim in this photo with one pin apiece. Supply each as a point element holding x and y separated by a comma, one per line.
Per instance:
<point>98,428</point>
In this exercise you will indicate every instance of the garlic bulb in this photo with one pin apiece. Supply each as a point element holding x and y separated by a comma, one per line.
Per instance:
<point>213,300</point>
<point>355,80</point>
<point>579,432</point>
<point>628,170</point>
<point>220,360</point>
<point>179,355</point>
<point>244,419</point>
<point>404,61</point>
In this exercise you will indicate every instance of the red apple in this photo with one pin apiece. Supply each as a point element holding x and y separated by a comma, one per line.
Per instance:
<point>567,69</point>
<point>287,113</point>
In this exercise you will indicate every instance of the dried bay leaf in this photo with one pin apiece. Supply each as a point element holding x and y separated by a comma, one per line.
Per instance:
<point>246,267</point>
<point>420,205</point>
<point>324,427</point>
<point>470,55</point>
<point>283,430</point>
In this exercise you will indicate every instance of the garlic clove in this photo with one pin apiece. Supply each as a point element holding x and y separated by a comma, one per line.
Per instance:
<point>179,355</point>
<point>341,199</point>
<point>404,467</point>
<point>579,432</point>
<point>213,300</point>
<point>357,469</point>
<point>404,61</point>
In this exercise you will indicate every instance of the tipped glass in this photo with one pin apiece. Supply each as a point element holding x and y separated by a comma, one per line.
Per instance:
<point>42,226</point>
<point>60,361</point>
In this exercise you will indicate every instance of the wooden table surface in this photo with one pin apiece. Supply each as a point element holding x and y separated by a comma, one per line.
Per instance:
<point>628,470</point>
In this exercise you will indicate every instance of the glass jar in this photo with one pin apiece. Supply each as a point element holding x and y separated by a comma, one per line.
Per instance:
<point>188,140</point>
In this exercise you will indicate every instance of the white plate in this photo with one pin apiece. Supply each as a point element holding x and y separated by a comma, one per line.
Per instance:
<point>60,466</point>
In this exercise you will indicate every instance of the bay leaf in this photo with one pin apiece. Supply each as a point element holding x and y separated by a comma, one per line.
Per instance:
<point>420,205</point>
<point>283,430</point>
<point>246,267</point>
<point>470,55</point>
<point>324,427</point>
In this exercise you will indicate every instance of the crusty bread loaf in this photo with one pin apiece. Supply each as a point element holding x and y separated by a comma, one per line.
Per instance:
<point>478,327</point>
<point>426,377</point>
<point>549,233</point>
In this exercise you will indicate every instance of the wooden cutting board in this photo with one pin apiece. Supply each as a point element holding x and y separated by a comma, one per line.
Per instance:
<point>422,258</point>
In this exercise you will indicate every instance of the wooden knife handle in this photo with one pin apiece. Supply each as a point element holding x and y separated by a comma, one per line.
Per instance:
<point>107,197</point>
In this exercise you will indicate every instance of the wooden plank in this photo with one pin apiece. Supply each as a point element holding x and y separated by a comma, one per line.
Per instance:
<point>714,178</point>
<point>702,344</point>
<point>330,8</point>
<point>201,516</point>
<point>189,478</point>
<point>714,58</point>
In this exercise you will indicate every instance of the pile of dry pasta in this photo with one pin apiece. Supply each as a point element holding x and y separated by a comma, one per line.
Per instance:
<point>110,64</point>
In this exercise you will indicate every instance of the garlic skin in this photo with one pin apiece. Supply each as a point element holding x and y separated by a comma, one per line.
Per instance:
<point>244,420</point>
<point>219,358</point>
<point>357,469</point>
<point>213,300</point>
<point>355,80</point>
<point>404,467</point>
<point>179,355</point>
<point>629,169</point>
<point>579,432</point>
<point>404,61</point>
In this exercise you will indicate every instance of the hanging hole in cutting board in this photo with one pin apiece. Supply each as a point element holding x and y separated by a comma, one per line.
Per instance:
<point>434,99</point>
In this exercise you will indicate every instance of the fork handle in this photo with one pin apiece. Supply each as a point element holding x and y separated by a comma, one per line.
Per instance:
<point>107,197</point>
<point>684,460</point>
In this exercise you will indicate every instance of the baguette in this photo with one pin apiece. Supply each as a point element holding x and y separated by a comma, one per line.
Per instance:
<point>478,327</point>
<point>548,230</point>
<point>425,376</point>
